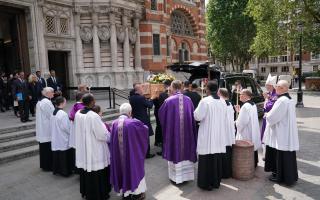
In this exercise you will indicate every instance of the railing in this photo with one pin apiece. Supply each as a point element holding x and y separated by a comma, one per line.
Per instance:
<point>118,93</point>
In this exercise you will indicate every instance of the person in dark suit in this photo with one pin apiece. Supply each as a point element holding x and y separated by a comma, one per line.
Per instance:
<point>2,91</point>
<point>157,104</point>
<point>193,94</point>
<point>35,89</point>
<point>54,82</point>
<point>21,94</point>
<point>41,80</point>
<point>140,106</point>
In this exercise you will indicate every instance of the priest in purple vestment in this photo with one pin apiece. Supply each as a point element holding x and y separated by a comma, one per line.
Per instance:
<point>128,147</point>
<point>179,134</point>
<point>270,98</point>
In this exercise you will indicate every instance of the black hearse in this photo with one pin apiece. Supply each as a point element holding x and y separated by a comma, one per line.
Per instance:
<point>201,70</point>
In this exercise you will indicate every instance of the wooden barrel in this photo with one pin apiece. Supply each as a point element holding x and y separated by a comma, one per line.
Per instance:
<point>243,160</point>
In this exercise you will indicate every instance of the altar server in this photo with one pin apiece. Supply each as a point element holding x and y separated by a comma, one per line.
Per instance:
<point>281,138</point>
<point>92,152</point>
<point>62,162</point>
<point>230,134</point>
<point>128,147</point>
<point>44,110</point>
<point>248,123</point>
<point>211,147</point>
<point>179,134</point>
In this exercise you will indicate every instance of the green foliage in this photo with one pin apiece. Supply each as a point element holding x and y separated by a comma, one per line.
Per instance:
<point>277,25</point>
<point>230,31</point>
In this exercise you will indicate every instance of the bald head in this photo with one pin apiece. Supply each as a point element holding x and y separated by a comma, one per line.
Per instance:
<point>282,87</point>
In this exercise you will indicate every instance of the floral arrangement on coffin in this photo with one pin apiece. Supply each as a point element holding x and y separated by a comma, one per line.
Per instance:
<point>154,85</point>
<point>160,78</point>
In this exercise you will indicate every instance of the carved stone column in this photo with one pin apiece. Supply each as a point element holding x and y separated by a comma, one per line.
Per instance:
<point>96,42</point>
<point>126,46</point>
<point>113,41</point>
<point>42,51</point>
<point>137,49</point>
<point>79,53</point>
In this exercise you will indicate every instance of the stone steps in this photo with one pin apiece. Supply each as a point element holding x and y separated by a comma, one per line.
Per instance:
<point>7,137</point>
<point>20,153</point>
<point>17,144</point>
<point>20,142</point>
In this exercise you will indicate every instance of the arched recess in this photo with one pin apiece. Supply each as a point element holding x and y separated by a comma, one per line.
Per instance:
<point>183,22</point>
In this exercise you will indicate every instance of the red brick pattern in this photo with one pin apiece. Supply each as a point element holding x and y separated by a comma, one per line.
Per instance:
<point>159,22</point>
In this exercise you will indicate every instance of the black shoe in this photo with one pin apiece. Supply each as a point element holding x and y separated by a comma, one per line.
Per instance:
<point>149,156</point>
<point>29,120</point>
<point>2,110</point>
<point>273,177</point>
<point>23,121</point>
<point>159,153</point>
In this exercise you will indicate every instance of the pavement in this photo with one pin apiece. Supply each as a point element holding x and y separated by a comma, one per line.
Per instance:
<point>23,180</point>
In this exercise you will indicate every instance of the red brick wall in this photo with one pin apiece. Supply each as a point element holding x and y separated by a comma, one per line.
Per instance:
<point>159,22</point>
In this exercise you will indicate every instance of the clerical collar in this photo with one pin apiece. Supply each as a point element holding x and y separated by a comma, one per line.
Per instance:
<point>250,102</point>
<point>44,97</point>
<point>85,110</point>
<point>285,95</point>
<point>56,110</point>
<point>228,102</point>
<point>215,96</point>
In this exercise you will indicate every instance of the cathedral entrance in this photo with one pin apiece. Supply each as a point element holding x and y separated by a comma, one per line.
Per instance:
<point>13,40</point>
<point>58,61</point>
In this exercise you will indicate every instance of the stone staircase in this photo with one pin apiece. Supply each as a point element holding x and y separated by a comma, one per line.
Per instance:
<point>20,142</point>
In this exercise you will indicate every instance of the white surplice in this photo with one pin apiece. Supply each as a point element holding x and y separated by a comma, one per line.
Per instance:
<point>248,125</point>
<point>230,127</point>
<point>92,151</point>
<point>281,129</point>
<point>60,131</point>
<point>212,114</point>
<point>44,110</point>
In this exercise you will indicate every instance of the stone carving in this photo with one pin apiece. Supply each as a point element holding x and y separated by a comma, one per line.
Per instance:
<point>120,33</point>
<point>104,33</point>
<point>86,33</point>
<point>59,45</point>
<point>133,35</point>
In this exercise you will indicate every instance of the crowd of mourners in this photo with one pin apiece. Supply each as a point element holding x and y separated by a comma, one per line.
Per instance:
<point>21,92</point>
<point>189,130</point>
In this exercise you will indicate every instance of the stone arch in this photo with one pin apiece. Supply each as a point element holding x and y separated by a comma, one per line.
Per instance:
<point>89,81</point>
<point>107,81</point>
<point>186,11</point>
<point>195,47</point>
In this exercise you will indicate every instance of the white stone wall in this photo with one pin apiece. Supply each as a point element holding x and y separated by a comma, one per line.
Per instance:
<point>102,40</point>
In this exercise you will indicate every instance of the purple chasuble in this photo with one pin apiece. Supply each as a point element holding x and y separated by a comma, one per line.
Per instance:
<point>128,148</point>
<point>179,129</point>
<point>272,98</point>
<point>77,106</point>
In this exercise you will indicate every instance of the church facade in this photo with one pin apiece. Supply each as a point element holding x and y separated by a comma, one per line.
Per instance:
<point>100,43</point>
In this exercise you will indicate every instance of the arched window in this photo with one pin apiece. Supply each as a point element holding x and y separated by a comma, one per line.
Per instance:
<point>183,53</point>
<point>180,24</point>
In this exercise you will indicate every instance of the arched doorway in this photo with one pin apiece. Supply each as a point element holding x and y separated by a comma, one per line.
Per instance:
<point>13,40</point>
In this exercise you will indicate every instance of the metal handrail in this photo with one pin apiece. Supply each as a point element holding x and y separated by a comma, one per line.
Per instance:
<point>118,93</point>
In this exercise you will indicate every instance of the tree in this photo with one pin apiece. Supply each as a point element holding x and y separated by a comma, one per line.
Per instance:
<point>278,21</point>
<point>230,31</point>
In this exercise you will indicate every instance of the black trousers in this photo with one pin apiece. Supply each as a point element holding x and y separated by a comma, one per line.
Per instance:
<point>283,164</point>
<point>45,155</point>
<point>24,110</point>
<point>95,185</point>
<point>62,162</point>
<point>227,163</point>
<point>210,171</point>
<point>33,107</point>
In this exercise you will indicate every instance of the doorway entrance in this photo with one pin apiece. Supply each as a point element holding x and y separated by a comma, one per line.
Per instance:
<point>14,54</point>
<point>58,61</point>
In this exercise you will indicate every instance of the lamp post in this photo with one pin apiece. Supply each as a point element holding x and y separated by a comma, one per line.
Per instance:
<point>300,93</point>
